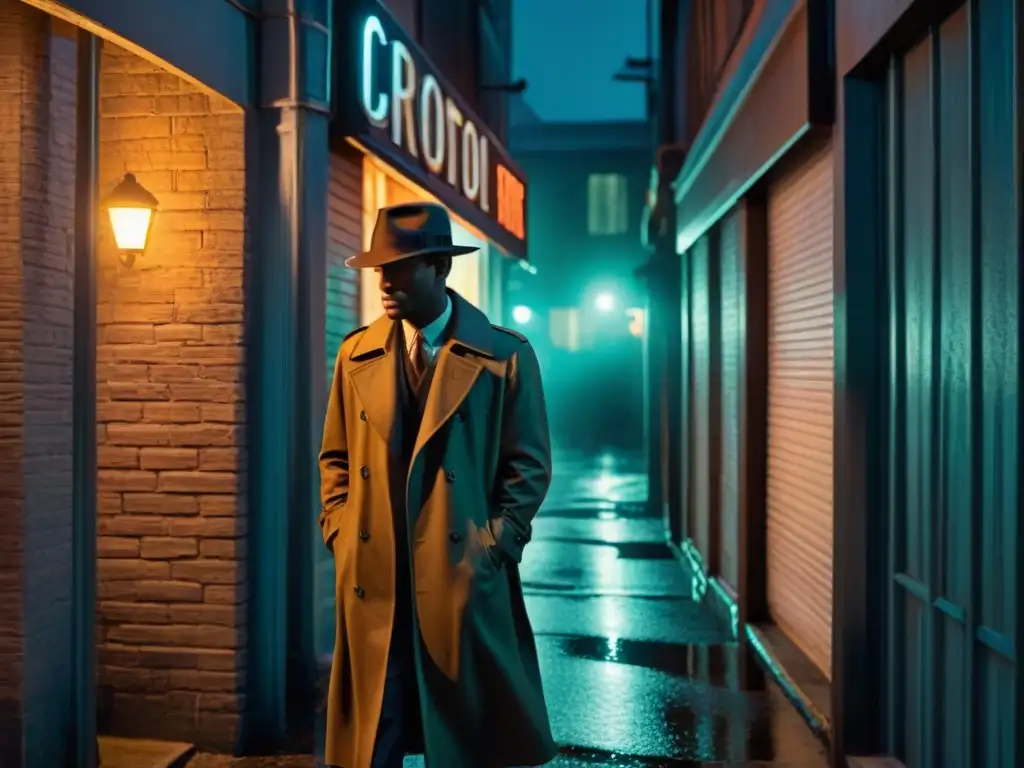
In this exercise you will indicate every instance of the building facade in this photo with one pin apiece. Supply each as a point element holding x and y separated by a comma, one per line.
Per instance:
<point>584,306</point>
<point>835,245</point>
<point>160,411</point>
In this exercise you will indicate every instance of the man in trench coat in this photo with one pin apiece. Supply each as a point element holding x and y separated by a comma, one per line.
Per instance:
<point>436,457</point>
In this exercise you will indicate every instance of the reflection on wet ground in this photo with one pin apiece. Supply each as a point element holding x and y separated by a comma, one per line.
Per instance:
<point>637,674</point>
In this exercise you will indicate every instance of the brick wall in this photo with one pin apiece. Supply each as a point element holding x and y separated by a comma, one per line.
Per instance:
<point>37,153</point>
<point>172,455</point>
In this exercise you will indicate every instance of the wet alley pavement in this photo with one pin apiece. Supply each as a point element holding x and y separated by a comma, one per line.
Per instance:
<point>637,674</point>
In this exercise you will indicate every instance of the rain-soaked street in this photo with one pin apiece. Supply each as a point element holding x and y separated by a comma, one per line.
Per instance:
<point>636,672</point>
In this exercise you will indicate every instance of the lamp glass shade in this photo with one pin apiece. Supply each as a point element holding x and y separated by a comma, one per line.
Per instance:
<point>131,227</point>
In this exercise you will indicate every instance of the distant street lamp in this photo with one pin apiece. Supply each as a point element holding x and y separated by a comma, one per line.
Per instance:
<point>604,302</point>
<point>131,207</point>
<point>522,314</point>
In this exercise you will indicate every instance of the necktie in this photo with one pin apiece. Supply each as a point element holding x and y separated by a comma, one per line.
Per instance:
<point>417,359</point>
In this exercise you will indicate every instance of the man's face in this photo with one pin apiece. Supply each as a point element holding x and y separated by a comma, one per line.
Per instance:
<point>408,287</point>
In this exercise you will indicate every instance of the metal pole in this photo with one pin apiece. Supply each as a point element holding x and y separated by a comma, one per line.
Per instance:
<point>84,411</point>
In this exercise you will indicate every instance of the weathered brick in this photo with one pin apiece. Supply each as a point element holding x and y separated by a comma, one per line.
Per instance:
<point>132,570</point>
<point>108,503</point>
<point>127,480</point>
<point>202,680</point>
<point>184,104</point>
<point>160,504</point>
<point>169,458</point>
<point>224,335</point>
<point>220,372</point>
<point>117,457</point>
<point>209,313</point>
<point>198,613</point>
<point>168,548</point>
<point>221,661</point>
<point>221,702</point>
<point>219,459</point>
<point>136,679</point>
<point>138,434</point>
<point>136,128</point>
<point>138,390</point>
<point>145,613</point>
<point>171,373</point>
<point>117,546</point>
<point>164,591</point>
<point>208,527</point>
<point>177,635</point>
<point>224,413</point>
<point>207,391</point>
<point>192,181</point>
<point>128,334</point>
<point>226,549</point>
<point>219,506</point>
<point>119,411</point>
<point>131,525</point>
<point>179,332</point>
<point>219,594</point>
<point>209,571</point>
<point>172,413</point>
<point>197,482</point>
<point>205,435</point>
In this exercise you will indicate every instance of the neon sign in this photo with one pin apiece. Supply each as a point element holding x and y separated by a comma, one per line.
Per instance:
<point>413,110</point>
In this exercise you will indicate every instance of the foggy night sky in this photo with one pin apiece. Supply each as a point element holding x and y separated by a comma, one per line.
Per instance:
<point>568,51</point>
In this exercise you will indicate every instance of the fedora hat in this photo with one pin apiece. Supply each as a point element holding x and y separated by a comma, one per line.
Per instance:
<point>407,230</point>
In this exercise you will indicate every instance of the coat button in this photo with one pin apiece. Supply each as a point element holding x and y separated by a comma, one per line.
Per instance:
<point>455,536</point>
<point>364,472</point>
<point>360,592</point>
<point>363,534</point>
<point>450,476</point>
<point>362,415</point>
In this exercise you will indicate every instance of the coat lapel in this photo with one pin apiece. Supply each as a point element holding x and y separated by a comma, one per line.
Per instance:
<point>458,366</point>
<point>375,377</point>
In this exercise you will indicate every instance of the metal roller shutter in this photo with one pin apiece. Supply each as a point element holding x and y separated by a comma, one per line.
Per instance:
<point>344,239</point>
<point>800,381</point>
<point>732,341</point>
<point>702,312</point>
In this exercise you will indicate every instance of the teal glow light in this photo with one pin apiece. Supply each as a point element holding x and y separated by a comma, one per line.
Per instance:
<point>522,314</point>
<point>376,108</point>
<point>604,302</point>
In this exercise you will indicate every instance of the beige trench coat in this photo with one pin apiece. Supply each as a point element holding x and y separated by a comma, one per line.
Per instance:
<point>483,466</point>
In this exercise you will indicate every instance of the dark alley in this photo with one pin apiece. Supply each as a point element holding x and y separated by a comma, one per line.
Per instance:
<point>637,673</point>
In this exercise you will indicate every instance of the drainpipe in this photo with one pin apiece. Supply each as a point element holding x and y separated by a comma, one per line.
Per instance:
<point>85,746</point>
<point>288,165</point>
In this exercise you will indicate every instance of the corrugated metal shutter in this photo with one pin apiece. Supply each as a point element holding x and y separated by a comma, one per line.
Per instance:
<point>344,239</point>
<point>732,340</point>
<point>800,380</point>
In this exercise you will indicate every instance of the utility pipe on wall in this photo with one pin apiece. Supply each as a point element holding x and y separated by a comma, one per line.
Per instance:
<point>84,470</point>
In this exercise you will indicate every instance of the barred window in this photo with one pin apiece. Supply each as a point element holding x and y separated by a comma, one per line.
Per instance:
<point>607,204</point>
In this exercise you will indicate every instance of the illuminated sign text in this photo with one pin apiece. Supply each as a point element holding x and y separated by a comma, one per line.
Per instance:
<point>412,109</point>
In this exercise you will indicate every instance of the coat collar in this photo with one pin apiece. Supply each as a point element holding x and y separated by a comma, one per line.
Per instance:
<point>375,375</point>
<point>470,329</point>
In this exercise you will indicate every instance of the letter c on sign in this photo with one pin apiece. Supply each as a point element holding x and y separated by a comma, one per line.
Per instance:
<point>376,111</point>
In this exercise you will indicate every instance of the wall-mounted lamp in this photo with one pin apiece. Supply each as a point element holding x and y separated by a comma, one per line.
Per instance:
<point>131,207</point>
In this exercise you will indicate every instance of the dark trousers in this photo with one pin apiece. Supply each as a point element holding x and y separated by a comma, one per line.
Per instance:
<point>400,728</point>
